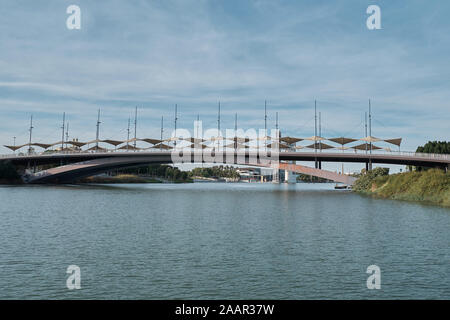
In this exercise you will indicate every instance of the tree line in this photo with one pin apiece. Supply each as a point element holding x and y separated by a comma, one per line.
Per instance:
<point>441,147</point>
<point>215,172</point>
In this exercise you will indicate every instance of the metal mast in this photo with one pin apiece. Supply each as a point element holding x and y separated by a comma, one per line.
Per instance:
<point>276,120</point>
<point>277,132</point>
<point>62,136</point>
<point>162,130</point>
<point>135,128</point>
<point>265,118</point>
<point>370,135</point>
<point>67,133</point>
<point>128,133</point>
<point>218,128</point>
<point>31,132</point>
<point>235,131</point>
<point>365,126</point>
<point>176,118</point>
<point>320,130</point>
<point>98,130</point>
<point>315,131</point>
<point>265,124</point>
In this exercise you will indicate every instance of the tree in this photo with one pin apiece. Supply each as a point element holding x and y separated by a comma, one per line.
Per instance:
<point>440,147</point>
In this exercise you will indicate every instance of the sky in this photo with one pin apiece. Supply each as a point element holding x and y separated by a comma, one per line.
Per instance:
<point>155,54</point>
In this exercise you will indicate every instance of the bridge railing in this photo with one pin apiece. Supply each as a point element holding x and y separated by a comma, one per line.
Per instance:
<point>445,157</point>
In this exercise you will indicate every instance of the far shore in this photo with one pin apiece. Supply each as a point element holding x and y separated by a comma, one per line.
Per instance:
<point>125,178</point>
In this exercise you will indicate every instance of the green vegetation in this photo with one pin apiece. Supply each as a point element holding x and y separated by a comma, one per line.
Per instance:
<point>159,171</point>
<point>442,147</point>
<point>439,147</point>
<point>365,180</point>
<point>215,172</point>
<point>121,178</point>
<point>8,173</point>
<point>430,186</point>
<point>173,174</point>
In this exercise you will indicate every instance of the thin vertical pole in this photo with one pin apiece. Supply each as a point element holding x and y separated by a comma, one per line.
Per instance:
<point>320,130</point>
<point>14,151</point>
<point>135,128</point>
<point>276,130</point>
<point>365,135</point>
<point>276,120</point>
<point>235,131</point>
<point>162,131</point>
<point>218,128</point>
<point>31,132</point>
<point>67,134</point>
<point>265,118</point>
<point>128,134</point>
<point>265,125</point>
<point>315,132</point>
<point>365,126</point>
<point>98,130</point>
<point>370,135</point>
<point>176,118</point>
<point>62,136</point>
<point>320,136</point>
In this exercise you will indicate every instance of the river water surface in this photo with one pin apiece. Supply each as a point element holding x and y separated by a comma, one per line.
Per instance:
<point>218,241</point>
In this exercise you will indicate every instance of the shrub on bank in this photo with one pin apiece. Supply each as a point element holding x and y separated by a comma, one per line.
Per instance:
<point>364,183</point>
<point>430,186</point>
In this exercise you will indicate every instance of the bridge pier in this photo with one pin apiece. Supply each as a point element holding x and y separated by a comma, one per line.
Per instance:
<point>276,175</point>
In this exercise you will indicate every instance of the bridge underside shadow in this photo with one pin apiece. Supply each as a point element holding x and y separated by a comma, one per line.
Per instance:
<point>72,172</point>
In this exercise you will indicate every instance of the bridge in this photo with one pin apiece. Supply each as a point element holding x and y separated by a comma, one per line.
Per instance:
<point>71,166</point>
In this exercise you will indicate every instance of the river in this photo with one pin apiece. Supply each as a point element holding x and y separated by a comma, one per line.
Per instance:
<point>218,241</point>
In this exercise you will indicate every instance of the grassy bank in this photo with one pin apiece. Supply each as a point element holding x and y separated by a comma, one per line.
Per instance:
<point>430,186</point>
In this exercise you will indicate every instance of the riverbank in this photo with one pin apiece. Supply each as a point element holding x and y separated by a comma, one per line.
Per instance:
<point>129,178</point>
<point>121,178</point>
<point>429,186</point>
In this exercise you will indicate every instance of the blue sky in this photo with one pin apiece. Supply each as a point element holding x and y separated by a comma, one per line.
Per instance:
<point>194,53</point>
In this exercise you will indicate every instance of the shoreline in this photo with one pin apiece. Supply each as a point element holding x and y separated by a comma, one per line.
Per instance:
<point>126,178</point>
<point>431,187</point>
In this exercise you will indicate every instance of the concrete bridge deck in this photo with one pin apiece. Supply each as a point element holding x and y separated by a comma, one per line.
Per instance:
<point>77,165</point>
<point>398,158</point>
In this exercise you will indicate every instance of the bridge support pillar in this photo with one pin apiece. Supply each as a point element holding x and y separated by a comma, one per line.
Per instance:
<point>290,177</point>
<point>276,175</point>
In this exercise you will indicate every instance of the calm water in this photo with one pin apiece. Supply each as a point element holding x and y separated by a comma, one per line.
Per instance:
<point>211,241</point>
